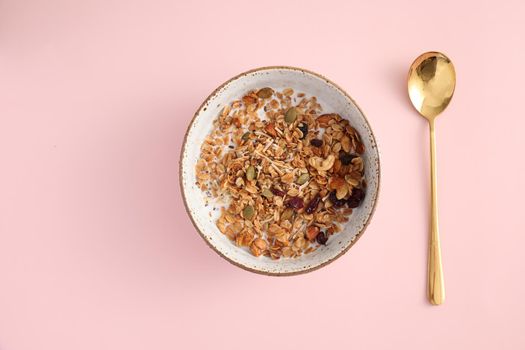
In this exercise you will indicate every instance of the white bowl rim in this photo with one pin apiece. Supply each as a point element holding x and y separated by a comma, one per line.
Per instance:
<point>374,199</point>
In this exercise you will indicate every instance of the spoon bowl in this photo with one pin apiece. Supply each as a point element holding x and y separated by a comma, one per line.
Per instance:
<point>431,83</point>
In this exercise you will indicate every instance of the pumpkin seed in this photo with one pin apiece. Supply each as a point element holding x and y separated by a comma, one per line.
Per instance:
<point>287,214</point>
<point>301,180</point>
<point>248,212</point>
<point>291,115</point>
<point>267,193</point>
<point>265,92</point>
<point>250,173</point>
<point>245,136</point>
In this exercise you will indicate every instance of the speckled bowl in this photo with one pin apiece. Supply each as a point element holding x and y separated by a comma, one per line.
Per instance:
<point>333,99</point>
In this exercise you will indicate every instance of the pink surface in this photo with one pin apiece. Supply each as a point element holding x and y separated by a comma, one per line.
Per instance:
<point>96,251</point>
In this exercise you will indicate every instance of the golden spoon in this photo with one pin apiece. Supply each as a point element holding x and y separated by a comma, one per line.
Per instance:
<point>431,83</point>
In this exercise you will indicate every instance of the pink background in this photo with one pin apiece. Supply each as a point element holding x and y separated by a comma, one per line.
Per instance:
<point>96,251</point>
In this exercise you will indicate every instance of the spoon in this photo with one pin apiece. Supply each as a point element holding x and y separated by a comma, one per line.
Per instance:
<point>431,83</point>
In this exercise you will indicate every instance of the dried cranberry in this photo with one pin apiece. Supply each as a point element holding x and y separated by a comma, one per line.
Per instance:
<point>322,238</point>
<point>316,142</point>
<point>277,192</point>
<point>295,202</point>
<point>346,158</point>
<point>356,198</point>
<point>304,129</point>
<point>312,206</point>
<point>338,203</point>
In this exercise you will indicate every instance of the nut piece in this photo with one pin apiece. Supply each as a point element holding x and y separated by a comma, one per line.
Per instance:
<point>335,183</point>
<point>249,100</point>
<point>312,232</point>
<point>360,148</point>
<point>258,246</point>
<point>342,191</point>
<point>325,119</point>
<point>322,164</point>
<point>270,129</point>
<point>287,178</point>
<point>345,143</point>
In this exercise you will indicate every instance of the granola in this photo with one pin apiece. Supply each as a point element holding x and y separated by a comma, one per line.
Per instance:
<point>287,174</point>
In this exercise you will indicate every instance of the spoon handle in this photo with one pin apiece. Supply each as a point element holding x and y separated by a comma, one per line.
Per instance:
<point>436,285</point>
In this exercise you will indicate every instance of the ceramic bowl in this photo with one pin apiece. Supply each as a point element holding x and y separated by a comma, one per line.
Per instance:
<point>333,99</point>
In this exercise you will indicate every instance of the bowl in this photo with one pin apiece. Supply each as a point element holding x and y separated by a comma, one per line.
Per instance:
<point>334,100</point>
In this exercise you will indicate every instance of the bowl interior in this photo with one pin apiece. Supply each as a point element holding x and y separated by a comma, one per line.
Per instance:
<point>332,99</point>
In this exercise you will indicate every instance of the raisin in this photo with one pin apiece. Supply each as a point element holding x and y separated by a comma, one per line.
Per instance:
<point>346,158</point>
<point>356,198</point>
<point>312,206</point>
<point>304,129</point>
<point>295,202</point>
<point>338,203</point>
<point>322,238</point>
<point>277,192</point>
<point>316,142</point>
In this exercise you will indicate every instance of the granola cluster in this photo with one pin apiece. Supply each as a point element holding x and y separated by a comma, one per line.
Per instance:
<point>288,176</point>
